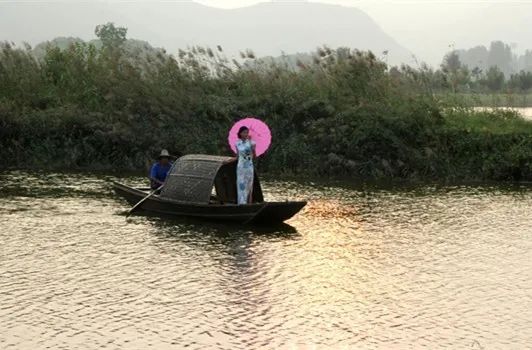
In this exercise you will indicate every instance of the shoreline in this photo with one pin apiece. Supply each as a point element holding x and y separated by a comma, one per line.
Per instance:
<point>319,181</point>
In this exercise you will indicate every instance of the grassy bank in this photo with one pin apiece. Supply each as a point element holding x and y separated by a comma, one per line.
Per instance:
<point>344,114</point>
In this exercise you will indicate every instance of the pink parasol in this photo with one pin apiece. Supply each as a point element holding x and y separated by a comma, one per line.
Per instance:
<point>258,131</point>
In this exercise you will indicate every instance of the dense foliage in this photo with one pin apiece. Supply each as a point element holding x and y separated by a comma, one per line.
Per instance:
<point>343,114</point>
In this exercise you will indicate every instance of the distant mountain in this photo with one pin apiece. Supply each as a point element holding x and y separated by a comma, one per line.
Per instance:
<point>269,29</point>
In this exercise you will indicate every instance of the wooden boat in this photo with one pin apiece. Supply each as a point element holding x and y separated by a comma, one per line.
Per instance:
<point>204,186</point>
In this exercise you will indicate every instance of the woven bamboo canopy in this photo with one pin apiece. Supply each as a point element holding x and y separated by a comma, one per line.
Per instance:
<point>193,177</point>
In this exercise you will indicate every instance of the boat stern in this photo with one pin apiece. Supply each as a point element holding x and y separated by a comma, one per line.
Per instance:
<point>277,212</point>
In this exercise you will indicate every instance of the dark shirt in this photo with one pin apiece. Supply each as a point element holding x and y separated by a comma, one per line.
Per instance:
<point>159,172</point>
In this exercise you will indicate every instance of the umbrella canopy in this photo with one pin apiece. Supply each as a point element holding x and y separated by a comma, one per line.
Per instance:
<point>258,131</point>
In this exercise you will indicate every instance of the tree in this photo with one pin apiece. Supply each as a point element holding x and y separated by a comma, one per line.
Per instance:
<point>476,73</point>
<point>521,81</point>
<point>494,79</point>
<point>456,73</point>
<point>474,57</point>
<point>527,60</point>
<point>451,62</point>
<point>112,37</point>
<point>500,55</point>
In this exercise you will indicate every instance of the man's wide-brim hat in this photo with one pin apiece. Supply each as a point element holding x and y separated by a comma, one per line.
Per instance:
<point>164,154</point>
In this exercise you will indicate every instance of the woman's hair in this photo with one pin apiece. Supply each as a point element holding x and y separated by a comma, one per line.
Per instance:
<point>241,130</point>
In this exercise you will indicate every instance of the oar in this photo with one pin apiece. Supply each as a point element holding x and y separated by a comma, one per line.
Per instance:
<point>142,201</point>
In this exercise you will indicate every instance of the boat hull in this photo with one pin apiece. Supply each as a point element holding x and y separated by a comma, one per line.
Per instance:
<point>268,213</point>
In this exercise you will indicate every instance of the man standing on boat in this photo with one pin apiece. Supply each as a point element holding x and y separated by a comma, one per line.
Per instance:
<point>160,170</point>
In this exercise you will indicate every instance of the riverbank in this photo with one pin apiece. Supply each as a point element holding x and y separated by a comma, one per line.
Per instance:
<point>464,145</point>
<point>344,115</point>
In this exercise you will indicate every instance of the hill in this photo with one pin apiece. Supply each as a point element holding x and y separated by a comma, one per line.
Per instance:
<point>269,29</point>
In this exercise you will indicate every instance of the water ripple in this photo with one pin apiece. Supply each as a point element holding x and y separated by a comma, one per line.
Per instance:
<point>366,267</point>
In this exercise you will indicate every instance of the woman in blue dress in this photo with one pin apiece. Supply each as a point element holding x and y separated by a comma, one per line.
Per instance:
<point>244,170</point>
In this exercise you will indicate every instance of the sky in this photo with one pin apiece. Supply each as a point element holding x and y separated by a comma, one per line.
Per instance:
<point>357,3</point>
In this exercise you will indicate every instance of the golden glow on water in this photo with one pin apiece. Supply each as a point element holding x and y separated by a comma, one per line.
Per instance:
<point>329,209</point>
<point>360,268</point>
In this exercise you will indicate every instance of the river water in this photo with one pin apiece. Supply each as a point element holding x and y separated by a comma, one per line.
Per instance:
<point>525,112</point>
<point>364,267</point>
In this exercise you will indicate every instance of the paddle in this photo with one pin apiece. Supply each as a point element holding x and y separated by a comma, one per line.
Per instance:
<point>142,201</point>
